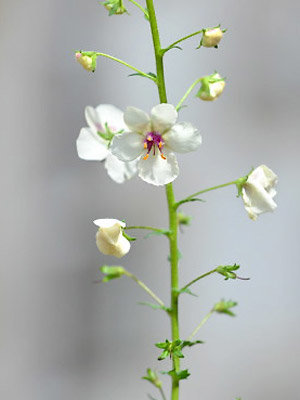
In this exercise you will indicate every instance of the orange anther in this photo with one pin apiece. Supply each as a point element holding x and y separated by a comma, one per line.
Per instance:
<point>146,157</point>
<point>145,145</point>
<point>160,145</point>
<point>162,156</point>
<point>149,138</point>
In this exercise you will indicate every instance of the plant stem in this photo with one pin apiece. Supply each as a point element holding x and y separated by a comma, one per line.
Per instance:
<point>205,319</point>
<point>149,228</point>
<point>181,40</point>
<point>140,7</point>
<point>197,279</point>
<point>162,393</point>
<point>127,65</point>
<point>185,96</point>
<point>143,286</point>
<point>173,225</point>
<point>204,191</point>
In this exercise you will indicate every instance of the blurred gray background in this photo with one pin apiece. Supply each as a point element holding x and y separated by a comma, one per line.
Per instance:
<point>65,337</point>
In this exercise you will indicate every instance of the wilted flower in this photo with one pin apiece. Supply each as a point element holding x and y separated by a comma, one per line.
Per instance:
<point>258,191</point>
<point>211,37</point>
<point>93,142</point>
<point>212,87</point>
<point>110,239</point>
<point>153,140</point>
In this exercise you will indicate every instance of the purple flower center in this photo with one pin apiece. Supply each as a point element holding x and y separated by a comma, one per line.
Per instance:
<point>153,140</point>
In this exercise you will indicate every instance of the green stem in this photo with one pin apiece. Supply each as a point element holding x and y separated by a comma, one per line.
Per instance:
<point>182,39</point>
<point>205,319</point>
<point>204,191</point>
<point>126,64</point>
<point>162,393</point>
<point>173,225</point>
<point>143,286</point>
<point>149,228</point>
<point>140,7</point>
<point>185,96</point>
<point>198,279</point>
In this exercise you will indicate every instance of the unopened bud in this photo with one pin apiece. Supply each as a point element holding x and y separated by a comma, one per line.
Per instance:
<point>115,7</point>
<point>211,37</point>
<point>211,88</point>
<point>88,62</point>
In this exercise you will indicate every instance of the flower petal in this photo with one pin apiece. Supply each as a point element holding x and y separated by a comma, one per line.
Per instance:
<point>112,116</point>
<point>137,120</point>
<point>127,146</point>
<point>183,138</point>
<point>257,200</point>
<point>90,146</point>
<point>157,171</point>
<point>92,119</point>
<point>163,117</point>
<point>120,171</point>
<point>108,222</point>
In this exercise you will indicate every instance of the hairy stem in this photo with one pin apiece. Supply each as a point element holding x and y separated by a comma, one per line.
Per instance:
<point>149,228</point>
<point>182,39</point>
<point>173,225</point>
<point>187,93</point>
<point>197,279</point>
<point>140,7</point>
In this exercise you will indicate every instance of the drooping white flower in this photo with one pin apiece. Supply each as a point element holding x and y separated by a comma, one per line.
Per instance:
<point>258,191</point>
<point>93,142</point>
<point>110,239</point>
<point>88,62</point>
<point>153,141</point>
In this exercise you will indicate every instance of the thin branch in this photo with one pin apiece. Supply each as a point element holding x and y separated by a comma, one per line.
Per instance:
<point>205,319</point>
<point>199,277</point>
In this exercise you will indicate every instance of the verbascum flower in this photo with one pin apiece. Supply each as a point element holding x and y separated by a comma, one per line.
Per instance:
<point>212,87</point>
<point>110,239</point>
<point>211,37</point>
<point>258,191</point>
<point>93,142</point>
<point>153,140</point>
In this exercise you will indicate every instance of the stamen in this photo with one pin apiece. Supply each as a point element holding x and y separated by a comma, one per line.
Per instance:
<point>145,145</point>
<point>162,156</point>
<point>160,144</point>
<point>146,156</point>
<point>153,140</point>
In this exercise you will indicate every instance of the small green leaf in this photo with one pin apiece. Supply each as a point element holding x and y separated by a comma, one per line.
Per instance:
<point>143,76</point>
<point>185,290</point>
<point>154,306</point>
<point>183,374</point>
<point>163,355</point>
<point>187,343</point>
<point>156,233</point>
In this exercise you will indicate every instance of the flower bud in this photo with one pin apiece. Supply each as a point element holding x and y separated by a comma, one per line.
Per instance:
<point>211,37</point>
<point>110,239</point>
<point>211,88</point>
<point>115,7</point>
<point>88,62</point>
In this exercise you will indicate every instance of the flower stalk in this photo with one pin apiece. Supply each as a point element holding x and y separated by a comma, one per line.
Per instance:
<point>173,222</point>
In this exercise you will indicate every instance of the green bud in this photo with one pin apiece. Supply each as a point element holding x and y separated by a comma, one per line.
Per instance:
<point>211,88</point>
<point>153,378</point>
<point>115,7</point>
<point>226,270</point>
<point>183,219</point>
<point>112,272</point>
<point>223,307</point>
<point>87,59</point>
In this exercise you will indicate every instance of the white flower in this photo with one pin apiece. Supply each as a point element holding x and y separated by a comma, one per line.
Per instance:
<point>211,37</point>
<point>258,191</point>
<point>93,142</point>
<point>153,140</point>
<point>110,239</point>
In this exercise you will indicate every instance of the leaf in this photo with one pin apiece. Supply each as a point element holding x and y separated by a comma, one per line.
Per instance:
<point>185,290</point>
<point>187,343</point>
<point>143,76</point>
<point>156,233</point>
<point>150,397</point>
<point>154,306</point>
<point>183,374</point>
